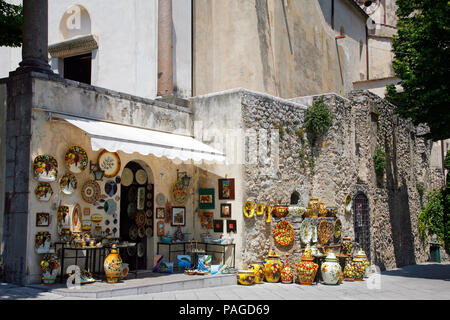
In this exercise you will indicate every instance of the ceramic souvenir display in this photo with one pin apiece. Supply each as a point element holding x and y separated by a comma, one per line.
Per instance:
<point>324,232</point>
<point>68,184</point>
<point>90,192</point>
<point>260,209</point>
<point>258,269</point>
<point>332,212</point>
<point>359,262</point>
<point>127,177</point>
<point>366,262</point>
<point>49,267</point>
<point>283,233</point>
<point>76,159</point>
<point>306,231</point>
<point>113,265</point>
<point>349,270</point>
<point>337,229</point>
<point>110,188</point>
<point>280,211</point>
<point>109,162</point>
<point>43,192</point>
<point>287,274</point>
<point>249,209</point>
<point>42,242</point>
<point>268,213</point>
<point>322,209</point>
<point>313,207</point>
<point>245,277</point>
<point>331,269</point>
<point>346,245</point>
<point>141,176</point>
<point>306,268</point>
<point>179,193</point>
<point>272,267</point>
<point>45,168</point>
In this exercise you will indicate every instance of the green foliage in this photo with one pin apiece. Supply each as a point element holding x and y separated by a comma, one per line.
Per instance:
<point>11,20</point>
<point>301,135</point>
<point>318,119</point>
<point>420,188</point>
<point>431,218</point>
<point>447,161</point>
<point>421,61</point>
<point>379,160</point>
<point>281,131</point>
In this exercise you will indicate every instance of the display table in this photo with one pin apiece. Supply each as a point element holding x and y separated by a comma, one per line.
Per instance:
<point>207,246</point>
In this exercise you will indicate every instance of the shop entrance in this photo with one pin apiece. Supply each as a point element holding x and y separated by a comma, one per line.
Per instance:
<point>136,214</point>
<point>362,222</point>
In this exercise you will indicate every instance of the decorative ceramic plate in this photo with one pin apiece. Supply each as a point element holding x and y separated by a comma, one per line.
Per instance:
<point>68,183</point>
<point>76,159</point>
<point>131,210</point>
<point>141,218</point>
<point>280,211</point>
<point>127,177</point>
<point>43,191</point>
<point>140,249</point>
<point>110,207</point>
<point>249,209</point>
<point>140,198</point>
<point>97,218</point>
<point>141,176</point>
<point>111,188</point>
<point>283,233</point>
<point>337,228</point>
<point>179,193</point>
<point>149,232</point>
<point>306,231</point>
<point>149,213</point>
<point>86,225</point>
<point>141,232</point>
<point>45,168</point>
<point>131,251</point>
<point>133,232</point>
<point>109,162</point>
<point>160,199</point>
<point>324,232</point>
<point>260,209</point>
<point>90,192</point>
<point>348,204</point>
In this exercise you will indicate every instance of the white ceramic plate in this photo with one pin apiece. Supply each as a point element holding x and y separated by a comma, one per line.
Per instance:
<point>127,177</point>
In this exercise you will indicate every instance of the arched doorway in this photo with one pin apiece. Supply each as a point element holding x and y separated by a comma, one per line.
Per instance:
<point>136,213</point>
<point>362,221</point>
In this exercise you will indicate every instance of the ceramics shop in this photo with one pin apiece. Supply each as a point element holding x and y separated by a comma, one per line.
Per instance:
<point>99,188</point>
<point>321,254</point>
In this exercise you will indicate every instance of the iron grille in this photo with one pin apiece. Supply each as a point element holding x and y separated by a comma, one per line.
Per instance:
<point>362,222</point>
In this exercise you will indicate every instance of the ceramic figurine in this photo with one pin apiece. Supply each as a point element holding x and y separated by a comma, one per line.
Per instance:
<point>246,277</point>
<point>258,269</point>
<point>306,268</point>
<point>287,274</point>
<point>331,269</point>
<point>113,265</point>
<point>349,270</point>
<point>346,246</point>
<point>273,267</point>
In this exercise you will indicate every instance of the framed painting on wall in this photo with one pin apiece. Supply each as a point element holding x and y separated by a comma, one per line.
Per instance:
<point>206,220</point>
<point>178,216</point>
<point>42,219</point>
<point>225,210</point>
<point>231,226</point>
<point>218,225</point>
<point>160,228</point>
<point>206,198</point>
<point>226,189</point>
<point>160,213</point>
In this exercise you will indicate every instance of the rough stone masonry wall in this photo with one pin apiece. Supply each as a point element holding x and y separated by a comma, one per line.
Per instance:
<point>338,165</point>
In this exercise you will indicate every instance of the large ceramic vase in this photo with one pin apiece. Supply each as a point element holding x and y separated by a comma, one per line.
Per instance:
<point>272,267</point>
<point>359,263</point>
<point>346,246</point>
<point>314,206</point>
<point>349,270</point>
<point>258,269</point>
<point>331,270</point>
<point>287,274</point>
<point>362,255</point>
<point>113,266</point>
<point>306,268</point>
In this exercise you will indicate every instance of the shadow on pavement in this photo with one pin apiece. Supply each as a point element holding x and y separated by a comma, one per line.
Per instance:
<point>435,271</point>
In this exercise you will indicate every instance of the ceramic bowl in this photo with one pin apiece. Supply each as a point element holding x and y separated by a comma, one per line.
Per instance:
<point>246,277</point>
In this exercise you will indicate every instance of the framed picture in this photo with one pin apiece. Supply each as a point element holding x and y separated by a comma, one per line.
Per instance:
<point>206,198</point>
<point>160,213</point>
<point>226,189</point>
<point>86,212</point>
<point>42,219</point>
<point>231,226</point>
<point>206,219</point>
<point>218,225</point>
<point>160,228</point>
<point>225,210</point>
<point>178,216</point>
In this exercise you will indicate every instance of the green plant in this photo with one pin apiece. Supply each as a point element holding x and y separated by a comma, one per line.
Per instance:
<point>318,119</point>
<point>301,135</point>
<point>420,188</point>
<point>447,160</point>
<point>281,131</point>
<point>379,159</point>
<point>431,218</point>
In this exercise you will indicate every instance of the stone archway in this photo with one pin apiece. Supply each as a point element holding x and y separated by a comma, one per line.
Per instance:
<point>361,217</point>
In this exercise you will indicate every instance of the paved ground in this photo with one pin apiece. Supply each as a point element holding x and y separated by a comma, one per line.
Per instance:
<point>425,281</point>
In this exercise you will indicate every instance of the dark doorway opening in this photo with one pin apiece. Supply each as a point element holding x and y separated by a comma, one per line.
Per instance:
<point>78,68</point>
<point>362,222</point>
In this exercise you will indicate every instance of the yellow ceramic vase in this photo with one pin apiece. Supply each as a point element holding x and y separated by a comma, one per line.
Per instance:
<point>113,265</point>
<point>273,267</point>
<point>258,269</point>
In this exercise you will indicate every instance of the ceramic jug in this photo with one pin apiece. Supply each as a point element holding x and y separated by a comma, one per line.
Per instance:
<point>113,265</point>
<point>258,269</point>
<point>331,269</point>
<point>273,267</point>
<point>287,274</point>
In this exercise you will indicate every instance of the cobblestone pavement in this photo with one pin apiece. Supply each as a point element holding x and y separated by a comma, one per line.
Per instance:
<point>424,281</point>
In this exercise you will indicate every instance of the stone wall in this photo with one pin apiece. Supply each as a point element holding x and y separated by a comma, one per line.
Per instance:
<point>341,164</point>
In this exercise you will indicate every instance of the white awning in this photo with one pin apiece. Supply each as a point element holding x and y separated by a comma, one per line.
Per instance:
<point>114,137</point>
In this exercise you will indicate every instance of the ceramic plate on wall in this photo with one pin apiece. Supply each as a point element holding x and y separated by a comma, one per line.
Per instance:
<point>160,199</point>
<point>127,177</point>
<point>141,176</point>
<point>68,183</point>
<point>140,250</point>
<point>76,159</point>
<point>111,188</point>
<point>110,206</point>
<point>45,168</point>
<point>133,232</point>
<point>141,218</point>
<point>131,210</point>
<point>109,162</point>
<point>90,192</point>
<point>306,231</point>
<point>43,191</point>
<point>141,198</point>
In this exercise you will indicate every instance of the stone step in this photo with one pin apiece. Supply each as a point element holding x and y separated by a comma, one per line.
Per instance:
<point>152,283</point>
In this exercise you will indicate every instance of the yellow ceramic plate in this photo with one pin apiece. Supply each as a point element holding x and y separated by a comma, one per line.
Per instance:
<point>268,213</point>
<point>260,209</point>
<point>249,209</point>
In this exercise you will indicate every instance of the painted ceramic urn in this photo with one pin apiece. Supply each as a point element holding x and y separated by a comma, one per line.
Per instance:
<point>287,274</point>
<point>306,268</point>
<point>258,269</point>
<point>331,269</point>
<point>322,209</point>
<point>349,270</point>
<point>313,206</point>
<point>359,263</point>
<point>113,265</point>
<point>346,245</point>
<point>362,255</point>
<point>272,267</point>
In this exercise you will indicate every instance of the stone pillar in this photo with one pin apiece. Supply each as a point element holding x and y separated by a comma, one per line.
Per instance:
<point>165,56</point>
<point>35,37</point>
